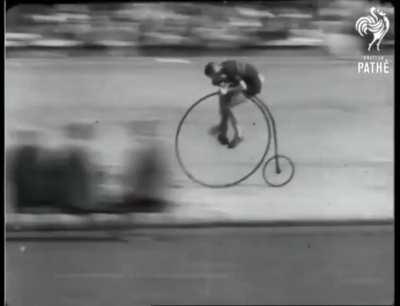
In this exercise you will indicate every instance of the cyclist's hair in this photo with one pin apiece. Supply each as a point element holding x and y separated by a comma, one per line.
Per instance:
<point>209,69</point>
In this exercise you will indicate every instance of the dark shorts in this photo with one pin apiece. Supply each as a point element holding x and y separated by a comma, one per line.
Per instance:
<point>253,89</point>
<point>233,99</point>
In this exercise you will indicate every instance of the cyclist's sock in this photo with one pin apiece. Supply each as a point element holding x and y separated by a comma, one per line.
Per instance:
<point>223,139</point>
<point>235,141</point>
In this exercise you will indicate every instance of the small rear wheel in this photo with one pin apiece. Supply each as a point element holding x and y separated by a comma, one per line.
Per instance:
<point>278,171</point>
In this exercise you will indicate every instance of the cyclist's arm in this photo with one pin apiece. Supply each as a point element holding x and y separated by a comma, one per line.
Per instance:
<point>219,79</point>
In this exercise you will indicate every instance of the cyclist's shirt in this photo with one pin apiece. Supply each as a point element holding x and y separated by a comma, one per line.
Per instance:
<point>233,72</point>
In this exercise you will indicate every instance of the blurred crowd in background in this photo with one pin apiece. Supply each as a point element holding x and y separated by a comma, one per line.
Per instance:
<point>132,26</point>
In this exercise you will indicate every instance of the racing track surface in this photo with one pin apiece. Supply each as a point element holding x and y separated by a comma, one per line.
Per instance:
<point>335,124</point>
<point>268,266</point>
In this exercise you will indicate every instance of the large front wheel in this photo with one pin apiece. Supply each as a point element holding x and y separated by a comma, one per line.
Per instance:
<point>207,162</point>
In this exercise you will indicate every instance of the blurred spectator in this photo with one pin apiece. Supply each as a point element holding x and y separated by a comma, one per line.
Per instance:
<point>178,24</point>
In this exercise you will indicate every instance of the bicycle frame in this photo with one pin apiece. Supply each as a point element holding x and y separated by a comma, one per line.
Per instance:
<point>262,159</point>
<point>270,124</point>
<point>274,132</point>
<point>223,91</point>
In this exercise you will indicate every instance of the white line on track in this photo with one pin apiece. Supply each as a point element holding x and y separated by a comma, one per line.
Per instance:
<point>172,60</point>
<point>21,62</point>
<point>147,276</point>
<point>90,275</point>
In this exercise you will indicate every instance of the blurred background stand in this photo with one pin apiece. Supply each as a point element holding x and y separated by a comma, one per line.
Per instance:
<point>131,29</point>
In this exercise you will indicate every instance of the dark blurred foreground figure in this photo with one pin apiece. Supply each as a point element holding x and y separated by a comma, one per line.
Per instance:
<point>50,180</point>
<point>238,81</point>
<point>145,181</point>
<point>67,179</point>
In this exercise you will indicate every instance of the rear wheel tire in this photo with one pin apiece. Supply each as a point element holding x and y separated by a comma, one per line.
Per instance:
<point>278,177</point>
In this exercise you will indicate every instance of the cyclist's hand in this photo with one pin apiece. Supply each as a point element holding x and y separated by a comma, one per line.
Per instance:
<point>223,88</point>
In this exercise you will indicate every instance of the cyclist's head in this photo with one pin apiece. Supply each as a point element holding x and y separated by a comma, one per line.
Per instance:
<point>211,69</point>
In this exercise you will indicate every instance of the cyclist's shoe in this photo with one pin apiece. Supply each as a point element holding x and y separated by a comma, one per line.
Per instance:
<point>214,130</point>
<point>223,139</point>
<point>235,141</point>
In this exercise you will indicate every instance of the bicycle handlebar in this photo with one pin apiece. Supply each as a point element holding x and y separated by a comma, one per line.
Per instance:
<point>224,86</point>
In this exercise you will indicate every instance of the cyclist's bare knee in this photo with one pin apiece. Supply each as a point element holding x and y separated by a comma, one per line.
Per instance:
<point>238,99</point>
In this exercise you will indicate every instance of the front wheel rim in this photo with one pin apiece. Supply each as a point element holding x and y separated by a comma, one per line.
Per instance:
<point>243,178</point>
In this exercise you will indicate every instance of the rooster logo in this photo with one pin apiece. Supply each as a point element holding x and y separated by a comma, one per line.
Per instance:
<point>377,24</point>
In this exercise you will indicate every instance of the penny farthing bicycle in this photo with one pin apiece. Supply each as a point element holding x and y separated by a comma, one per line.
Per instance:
<point>277,171</point>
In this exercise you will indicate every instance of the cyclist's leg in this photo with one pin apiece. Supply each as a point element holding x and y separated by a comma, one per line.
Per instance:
<point>237,99</point>
<point>224,113</point>
<point>235,125</point>
<point>226,104</point>
<point>221,126</point>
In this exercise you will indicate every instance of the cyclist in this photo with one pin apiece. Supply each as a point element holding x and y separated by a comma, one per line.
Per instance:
<point>238,81</point>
